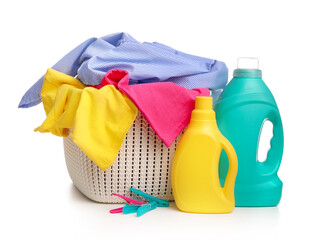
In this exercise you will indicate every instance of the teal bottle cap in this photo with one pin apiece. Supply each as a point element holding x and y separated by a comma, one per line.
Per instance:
<point>240,72</point>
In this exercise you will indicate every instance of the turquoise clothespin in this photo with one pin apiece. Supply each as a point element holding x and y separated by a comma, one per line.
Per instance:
<point>145,208</point>
<point>139,209</point>
<point>130,208</point>
<point>159,202</point>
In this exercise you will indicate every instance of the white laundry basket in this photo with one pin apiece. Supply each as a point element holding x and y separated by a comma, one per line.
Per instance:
<point>143,162</point>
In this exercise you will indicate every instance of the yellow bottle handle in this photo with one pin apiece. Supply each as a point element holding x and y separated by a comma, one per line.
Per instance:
<point>228,188</point>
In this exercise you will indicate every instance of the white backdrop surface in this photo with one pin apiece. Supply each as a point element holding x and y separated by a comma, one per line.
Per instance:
<point>38,200</point>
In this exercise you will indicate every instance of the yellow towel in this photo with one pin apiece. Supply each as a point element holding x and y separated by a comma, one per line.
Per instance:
<point>98,119</point>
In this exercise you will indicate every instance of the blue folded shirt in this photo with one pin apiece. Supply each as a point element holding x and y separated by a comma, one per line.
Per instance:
<point>145,62</point>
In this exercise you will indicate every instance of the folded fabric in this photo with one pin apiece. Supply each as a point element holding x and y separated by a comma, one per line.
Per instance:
<point>166,106</point>
<point>145,62</point>
<point>98,119</point>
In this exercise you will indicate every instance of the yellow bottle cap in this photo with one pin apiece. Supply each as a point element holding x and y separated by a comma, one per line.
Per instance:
<point>203,109</point>
<point>203,103</point>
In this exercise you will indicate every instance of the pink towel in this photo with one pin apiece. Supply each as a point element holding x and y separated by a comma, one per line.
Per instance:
<point>165,105</point>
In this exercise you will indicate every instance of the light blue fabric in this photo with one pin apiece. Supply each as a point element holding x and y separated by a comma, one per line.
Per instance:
<point>145,62</point>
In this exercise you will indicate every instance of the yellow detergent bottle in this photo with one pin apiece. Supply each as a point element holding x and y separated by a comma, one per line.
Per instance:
<point>195,178</point>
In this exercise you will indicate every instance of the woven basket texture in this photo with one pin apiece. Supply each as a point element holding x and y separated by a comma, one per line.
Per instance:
<point>143,162</point>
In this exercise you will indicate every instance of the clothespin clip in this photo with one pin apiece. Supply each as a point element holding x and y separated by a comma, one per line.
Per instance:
<point>128,200</point>
<point>139,209</point>
<point>159,202</point>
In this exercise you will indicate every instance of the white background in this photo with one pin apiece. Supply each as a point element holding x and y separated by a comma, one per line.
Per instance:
<point>38,200</point>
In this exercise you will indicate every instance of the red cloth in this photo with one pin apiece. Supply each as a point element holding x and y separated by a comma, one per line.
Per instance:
<point>165,105</point>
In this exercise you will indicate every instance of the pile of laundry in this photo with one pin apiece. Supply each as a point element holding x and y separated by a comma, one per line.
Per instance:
<point>93,94</point>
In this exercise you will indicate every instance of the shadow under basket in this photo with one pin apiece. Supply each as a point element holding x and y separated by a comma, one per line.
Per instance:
<point>143,162</point>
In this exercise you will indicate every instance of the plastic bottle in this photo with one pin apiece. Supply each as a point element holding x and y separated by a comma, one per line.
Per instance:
<point>195,178</point>
<point>242,108</point>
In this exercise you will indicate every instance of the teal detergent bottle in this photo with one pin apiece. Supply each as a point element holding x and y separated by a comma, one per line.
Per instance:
<point>241,110</point>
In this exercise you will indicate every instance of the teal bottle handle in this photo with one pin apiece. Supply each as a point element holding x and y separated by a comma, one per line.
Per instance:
<point>274,155</point>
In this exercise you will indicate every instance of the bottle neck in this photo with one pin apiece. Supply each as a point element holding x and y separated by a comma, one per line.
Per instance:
<point>199,123</point>
<point>203,115</point>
